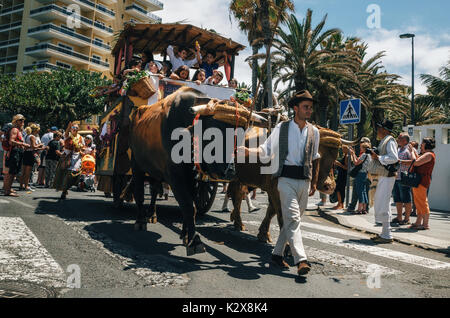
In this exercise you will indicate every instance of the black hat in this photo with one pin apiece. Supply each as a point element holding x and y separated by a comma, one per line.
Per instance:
<point>386,124</point>
<point>300,97</point>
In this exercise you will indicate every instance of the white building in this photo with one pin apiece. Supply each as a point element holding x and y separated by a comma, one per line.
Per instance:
<point>439,195</point>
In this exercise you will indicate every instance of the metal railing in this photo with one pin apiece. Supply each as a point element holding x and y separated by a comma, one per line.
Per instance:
<point>14,8</point>
<point>51,26</point>
<point>48,46</point>
<point>5,60</point>
<point>10,25</point>
<point>8,42</point>
<point>156,3</point>
<point>39,66</point>
<point>148,14</point>
<point>71,13</point>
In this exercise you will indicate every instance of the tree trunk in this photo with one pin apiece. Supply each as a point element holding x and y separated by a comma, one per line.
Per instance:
<point>323,109</point>
<point>267,41</point>
<point>254,71</point>
<point>362,122</point>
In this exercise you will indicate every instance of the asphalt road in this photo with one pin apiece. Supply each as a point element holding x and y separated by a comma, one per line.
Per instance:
<point>44,241</point>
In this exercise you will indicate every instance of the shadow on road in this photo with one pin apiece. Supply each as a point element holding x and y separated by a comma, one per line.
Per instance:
<point>113,229</point>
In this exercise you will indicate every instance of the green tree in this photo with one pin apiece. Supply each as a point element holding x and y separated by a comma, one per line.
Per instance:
<point>52,98</point>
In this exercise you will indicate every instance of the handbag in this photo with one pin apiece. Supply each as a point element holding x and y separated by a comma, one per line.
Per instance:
<point>356,169</point>
<point>410,179</point>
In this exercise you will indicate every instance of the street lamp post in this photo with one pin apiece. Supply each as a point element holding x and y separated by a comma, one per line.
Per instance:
<point>411,36</point>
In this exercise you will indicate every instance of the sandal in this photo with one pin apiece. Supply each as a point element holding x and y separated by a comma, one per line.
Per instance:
<point>423,228</point>
<point>12,194</point>
<point>413,226</point>
<point>404,222</point>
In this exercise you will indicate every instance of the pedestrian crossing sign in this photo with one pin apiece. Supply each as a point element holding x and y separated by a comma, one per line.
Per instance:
<point>350,111</point>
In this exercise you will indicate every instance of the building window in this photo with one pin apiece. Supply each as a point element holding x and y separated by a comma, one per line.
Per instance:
<point>64,65</point>
<point>66,27</point>
<point>96,57</point>
<point>98,40</point>
<point>65,46</point>
<point>446,136</point>
<point>431,133</point>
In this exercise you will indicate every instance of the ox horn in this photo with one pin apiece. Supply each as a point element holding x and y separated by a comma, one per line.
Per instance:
<point>350,143</point>
<point>196,109</point>
<point>258,118</point>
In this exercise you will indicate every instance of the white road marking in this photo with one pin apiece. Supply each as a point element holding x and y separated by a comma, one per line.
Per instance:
<point>348,262</point>
<point>4,201</point>
<point>364,247</point>
<point>378,251</point>
<point>22,256</point>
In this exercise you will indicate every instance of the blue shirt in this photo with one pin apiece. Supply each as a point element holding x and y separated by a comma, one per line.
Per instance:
<point>209,68</point>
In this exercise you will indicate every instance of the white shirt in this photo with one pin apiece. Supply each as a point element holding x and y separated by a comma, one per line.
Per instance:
<point>177,61</point>
<point>47,138</point>
<point>296,147</point>
<point>392,152</point>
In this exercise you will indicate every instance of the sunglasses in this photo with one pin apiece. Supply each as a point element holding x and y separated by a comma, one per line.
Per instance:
<point>75,128</point>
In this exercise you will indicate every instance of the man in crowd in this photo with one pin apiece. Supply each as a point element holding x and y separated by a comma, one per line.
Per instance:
<point>401,193</point>
<point>46,138</point>
<point>296,144</point>
<point>385,157</point>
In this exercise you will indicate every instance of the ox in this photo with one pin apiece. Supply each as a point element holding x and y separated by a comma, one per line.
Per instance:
<point>248,174</point>
<point>151,144</point>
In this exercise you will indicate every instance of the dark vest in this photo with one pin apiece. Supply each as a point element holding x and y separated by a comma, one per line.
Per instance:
<point>284,149</point>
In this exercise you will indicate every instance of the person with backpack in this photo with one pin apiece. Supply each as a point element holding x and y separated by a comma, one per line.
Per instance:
<point>14,146</point>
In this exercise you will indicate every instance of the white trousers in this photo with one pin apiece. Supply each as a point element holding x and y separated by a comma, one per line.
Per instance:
<point>382,204</point>
<point>294,200</point>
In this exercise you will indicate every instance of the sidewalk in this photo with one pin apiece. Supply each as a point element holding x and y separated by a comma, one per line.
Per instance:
<point>437,238</point>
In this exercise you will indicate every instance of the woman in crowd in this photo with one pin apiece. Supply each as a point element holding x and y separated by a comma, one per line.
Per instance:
<point>69,167</point>
<point>199,76</point>
<point>181,74</point>
<point>361,178</point>
<point>423,165</point>
<point>16,146</point>
<point>31,156</point>
<point>233,83</point>
<point>90,147</point>
<point>154,68</point>
<point>147,57</point>
<point>341,180</point>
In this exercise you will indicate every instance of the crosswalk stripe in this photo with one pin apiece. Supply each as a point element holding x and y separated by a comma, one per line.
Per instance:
<point>360,246</point>
<point>348,262</point>
<point>378,251</point>
<point>22,256</point>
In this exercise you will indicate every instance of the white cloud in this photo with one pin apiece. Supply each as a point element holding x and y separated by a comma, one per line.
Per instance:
<point>430,53</point>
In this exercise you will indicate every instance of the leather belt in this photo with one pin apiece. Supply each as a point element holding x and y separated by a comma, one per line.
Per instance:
<point>293,172</point>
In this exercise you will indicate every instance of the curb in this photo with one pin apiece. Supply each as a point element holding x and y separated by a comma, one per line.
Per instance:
<point>335,219</point>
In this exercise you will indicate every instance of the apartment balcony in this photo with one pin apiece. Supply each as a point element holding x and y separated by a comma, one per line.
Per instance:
<point>13,9</point>
<point>8,43</point>
<point>54,12</point>
<point>46,50</point>
<point>48,67</point>
<point>102,11</point>
<point>152,5</point>
<point>50,31</point>
<point>109,1</point>
<point>142,14</point>
<point>10,26</point>
<point>8,60</point>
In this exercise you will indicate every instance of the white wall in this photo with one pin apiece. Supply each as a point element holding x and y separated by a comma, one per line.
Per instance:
<point>439,195</point>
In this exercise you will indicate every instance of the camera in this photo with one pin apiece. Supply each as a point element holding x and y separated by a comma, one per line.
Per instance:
<point>372,150</point>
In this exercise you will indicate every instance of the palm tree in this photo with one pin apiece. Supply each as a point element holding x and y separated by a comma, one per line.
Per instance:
<point>305,63</point>
<point>260,19</point>
<point>438,96</point>
<point>246,12</point>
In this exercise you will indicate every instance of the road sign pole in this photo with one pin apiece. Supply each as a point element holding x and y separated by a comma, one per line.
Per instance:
<point>347,190</point>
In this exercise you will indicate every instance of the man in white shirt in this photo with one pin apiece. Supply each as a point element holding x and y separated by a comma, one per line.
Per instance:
<point>387,155</point>
<point>180,59</point>
<point>46,138</point>
<point>296,144</point>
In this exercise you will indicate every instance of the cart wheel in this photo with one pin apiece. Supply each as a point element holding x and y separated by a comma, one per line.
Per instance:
<point>205,193</point>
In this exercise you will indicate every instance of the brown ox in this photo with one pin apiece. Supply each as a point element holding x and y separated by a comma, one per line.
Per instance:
<point>248,174</point>
<point>151,144</point>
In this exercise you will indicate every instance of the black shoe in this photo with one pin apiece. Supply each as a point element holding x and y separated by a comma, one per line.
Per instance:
<point>303,268</point>
<point>278,261</point>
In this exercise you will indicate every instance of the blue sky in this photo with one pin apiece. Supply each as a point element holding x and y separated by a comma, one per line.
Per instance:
<point>429,20</point>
